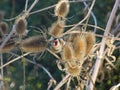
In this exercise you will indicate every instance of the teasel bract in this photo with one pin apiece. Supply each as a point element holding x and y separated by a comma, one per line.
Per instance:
<point>21,26</point>
<point>62,8</point>
<point>4,27</point>
<point>34,44</point>
<point>90,39</point>
<point>57,29</point>
<point>79,46</point>
<point>67,52</point>
<point>73,69</point>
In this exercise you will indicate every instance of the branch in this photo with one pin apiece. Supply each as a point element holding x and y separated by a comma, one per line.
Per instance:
<point>102,48</point>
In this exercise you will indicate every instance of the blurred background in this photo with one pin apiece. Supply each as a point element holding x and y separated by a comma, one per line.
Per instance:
<point>36,78</point>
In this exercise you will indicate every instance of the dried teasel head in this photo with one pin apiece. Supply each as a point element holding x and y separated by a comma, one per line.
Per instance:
<point>57,29</point>
<point>90,39</point>
<point>79,46</point>
<point>72,69</point>
<point>10,45</point>
<point>62,8</point>
<point>4,27</point>
<point>21,26</point>
<point>34,44</point>
<point>67,52</point>
<point>56,45</point>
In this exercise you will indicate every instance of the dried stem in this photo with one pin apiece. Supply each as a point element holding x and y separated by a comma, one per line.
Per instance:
<point>64,80</point>
<point>15,59</point>
<point>102,47</point>
<point>92,14</point>
<point>82,19</point>
<point>52,6</point>
<point>39,65</point>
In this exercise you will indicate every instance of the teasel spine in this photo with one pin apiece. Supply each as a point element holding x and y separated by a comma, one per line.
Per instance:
<point>73,70</point>
<point>79,46</point>
<point>57,29</point>
<point>67,52</point>
<point>34,44</point>
<point>90,39</point>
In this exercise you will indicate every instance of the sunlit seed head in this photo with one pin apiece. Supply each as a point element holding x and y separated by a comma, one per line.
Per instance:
<point>67,52</point>
<point>79,46</point>
<point>10,45</point>
<point>90,39</point>
<point>21,26</point>
<point>62,8</point>
<point>57,29</point>
<point>73,69</point>
<point>34,44</point>
<point>4,27</point>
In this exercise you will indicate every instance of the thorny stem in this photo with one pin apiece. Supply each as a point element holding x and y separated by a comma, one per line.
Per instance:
<point>1,83</point>
<point>26,5</point>
<point>102,47</point>
<point>15,59</point>
<point>52,6</point>
<point>92,14</point>
<point>64,80</point>
<point>39,65</point>
<point>34,3</point>
<point>13,28</point>
<point>8,37</point>
<point>82,19</point>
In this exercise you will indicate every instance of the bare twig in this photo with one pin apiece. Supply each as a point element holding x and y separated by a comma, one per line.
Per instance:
<point>64,80</point>
<point>94,18</point>
<point>39,65</point>
<point>15,59</point>
<point>102,47</point>
<point>52,6</point>
<point>82,19</point>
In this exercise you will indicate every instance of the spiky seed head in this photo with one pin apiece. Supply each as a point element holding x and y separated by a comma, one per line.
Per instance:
<point>62,8</point>
<point>72,69</point>
<point>4,27</point>
<point>21,26</point>
<point>34,44</point>
<point>79,46</point>
<point>90,39</point>
<point>10,45</point>
<point>67,52</point>
<point>57,29</point>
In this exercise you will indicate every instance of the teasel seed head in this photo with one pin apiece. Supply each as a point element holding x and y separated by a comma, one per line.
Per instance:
<point>34,44</point>
<point>79,46</point>
<point>62,8</point>
<point>21,26</point>
<point>72,69</point>
<point>4,27</point>
<point>57,29</point>
<point>67,52</point>
<point>10,45</point>
<point>90,39</point>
